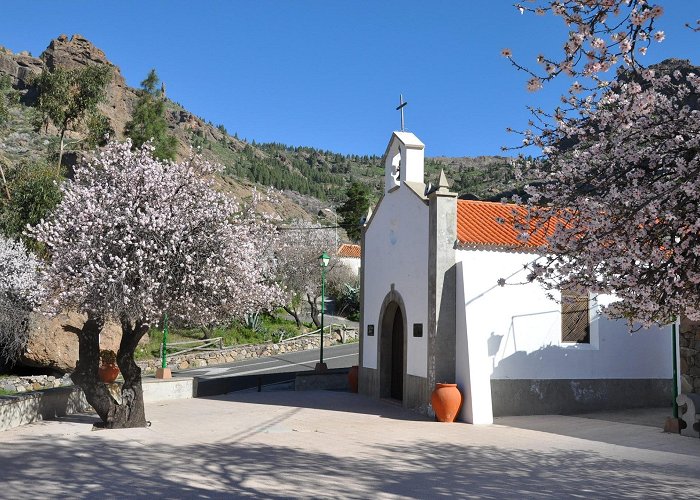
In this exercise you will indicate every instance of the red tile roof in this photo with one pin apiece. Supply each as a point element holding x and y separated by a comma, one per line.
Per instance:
<point>348,250</point>
<point>484,223</point>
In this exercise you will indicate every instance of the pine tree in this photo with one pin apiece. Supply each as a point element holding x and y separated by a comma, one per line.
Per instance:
<point>148,121</point>
<point>352,211</point>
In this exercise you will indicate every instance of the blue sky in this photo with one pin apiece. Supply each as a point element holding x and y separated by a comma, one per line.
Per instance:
<point>326,73</point>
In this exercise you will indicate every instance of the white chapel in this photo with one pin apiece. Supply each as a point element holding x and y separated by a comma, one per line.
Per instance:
<point>432,310</point>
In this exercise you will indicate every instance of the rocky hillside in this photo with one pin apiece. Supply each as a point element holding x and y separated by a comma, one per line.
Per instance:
<point>308,178</point>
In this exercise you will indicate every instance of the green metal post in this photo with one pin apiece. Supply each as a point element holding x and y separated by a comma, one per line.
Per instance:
<point>323,304</point>
<point>163,363</point>
<point>675,373</point>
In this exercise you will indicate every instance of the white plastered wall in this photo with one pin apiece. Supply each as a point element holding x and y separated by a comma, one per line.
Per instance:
<point>472,371</point>
<point>396,251</point>
<point>520,328</point>
<point>352,263</point>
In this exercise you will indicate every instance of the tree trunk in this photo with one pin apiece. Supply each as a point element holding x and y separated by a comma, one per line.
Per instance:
<point>294,314</point>
<point>131,411</point>
<point>4,182</point>
<point>60,151</point>
<point>85,373</point>
<point>207,331</point>
<point>115,415</point>
<point>315,311</point>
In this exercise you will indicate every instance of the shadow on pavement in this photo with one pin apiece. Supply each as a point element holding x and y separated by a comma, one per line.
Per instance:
<point>91,466</point>
<point>607,429</point>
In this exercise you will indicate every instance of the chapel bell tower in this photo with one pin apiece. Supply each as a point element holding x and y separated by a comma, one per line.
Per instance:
<point>403,161</point>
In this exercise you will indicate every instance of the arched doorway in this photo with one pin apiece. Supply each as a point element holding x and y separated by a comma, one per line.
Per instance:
<point>397,356</point>
<point>392,352</point>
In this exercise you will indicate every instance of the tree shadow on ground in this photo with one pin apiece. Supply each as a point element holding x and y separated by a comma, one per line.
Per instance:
<point>94,466</point>
<point>606,430</point>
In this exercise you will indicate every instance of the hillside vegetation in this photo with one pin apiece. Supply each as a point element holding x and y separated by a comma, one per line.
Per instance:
<point>308,178</point>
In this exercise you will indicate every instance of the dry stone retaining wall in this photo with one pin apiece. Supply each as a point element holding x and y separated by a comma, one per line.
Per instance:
<point>30,383</point>
<point>239,353</point>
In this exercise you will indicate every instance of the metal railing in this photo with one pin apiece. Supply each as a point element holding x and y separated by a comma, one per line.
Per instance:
<point>316,332</point>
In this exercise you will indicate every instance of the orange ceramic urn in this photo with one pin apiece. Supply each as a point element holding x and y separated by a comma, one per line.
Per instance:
<point>108,373</point>
<point>446,400</point>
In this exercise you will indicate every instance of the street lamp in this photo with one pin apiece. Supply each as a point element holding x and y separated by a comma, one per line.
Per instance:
<point>164,371</point>
<point>323,260</point>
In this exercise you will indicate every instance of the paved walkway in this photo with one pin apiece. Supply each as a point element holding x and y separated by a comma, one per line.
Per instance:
<point>328,444</point>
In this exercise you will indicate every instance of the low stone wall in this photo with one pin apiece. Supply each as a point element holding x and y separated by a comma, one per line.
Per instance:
<point>239,353</point>
<point>47,404</point>
<point>689,341</point>
<point>39,405</point>
<point>331,380</point>
<point>21,384</point>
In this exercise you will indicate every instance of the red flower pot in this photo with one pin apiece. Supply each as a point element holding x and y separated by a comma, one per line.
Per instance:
<point>446,400</point>
<point>352,378</point>
<point>108,373</point>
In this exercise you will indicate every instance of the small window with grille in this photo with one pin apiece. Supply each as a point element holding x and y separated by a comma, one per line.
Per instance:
<point>575,324</point>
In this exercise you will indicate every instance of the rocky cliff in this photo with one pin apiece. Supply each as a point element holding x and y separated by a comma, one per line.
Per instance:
<point>76,52</point>
<point>20,141</point>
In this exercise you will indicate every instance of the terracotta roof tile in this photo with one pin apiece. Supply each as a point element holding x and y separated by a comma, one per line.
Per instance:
<point>348,250</point>
<point>484,223</point>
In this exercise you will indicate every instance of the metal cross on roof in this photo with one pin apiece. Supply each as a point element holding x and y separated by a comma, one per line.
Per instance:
<point>400,107</point>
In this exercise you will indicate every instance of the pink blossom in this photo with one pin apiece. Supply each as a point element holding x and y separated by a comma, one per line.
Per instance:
<point>135,237</point>
<point>534,84</point>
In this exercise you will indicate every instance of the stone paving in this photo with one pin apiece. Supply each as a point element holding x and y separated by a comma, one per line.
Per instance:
<point>341,445</point>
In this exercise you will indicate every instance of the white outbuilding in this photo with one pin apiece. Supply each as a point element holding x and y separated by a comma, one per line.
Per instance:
<point>445,299</point>
<point>349,254</point>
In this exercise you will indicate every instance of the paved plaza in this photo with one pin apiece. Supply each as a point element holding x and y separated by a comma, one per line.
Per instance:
<point>341,445</point>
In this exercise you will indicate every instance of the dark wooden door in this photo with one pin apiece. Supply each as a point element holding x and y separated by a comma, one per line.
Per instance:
<point>397,356</point>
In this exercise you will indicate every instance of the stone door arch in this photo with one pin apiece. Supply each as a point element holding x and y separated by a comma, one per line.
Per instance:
<point>392,347</point>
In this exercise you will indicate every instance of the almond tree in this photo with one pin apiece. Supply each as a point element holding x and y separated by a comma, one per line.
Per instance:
<point>620,171</point>
<point>298,267</point>
<point>135,237</point>
<point>20,293</point>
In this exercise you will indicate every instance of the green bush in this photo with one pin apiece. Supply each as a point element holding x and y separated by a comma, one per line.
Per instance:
<point>35,191</point>
<point>269,329</point>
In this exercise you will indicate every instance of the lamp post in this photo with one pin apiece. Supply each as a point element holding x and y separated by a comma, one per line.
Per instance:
<point>164,371</point>
<point>323,259</point>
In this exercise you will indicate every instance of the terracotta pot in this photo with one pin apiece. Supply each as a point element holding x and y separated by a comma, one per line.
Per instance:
<point>446,400</point>
<point>352,378</point>
<point>108,373</point>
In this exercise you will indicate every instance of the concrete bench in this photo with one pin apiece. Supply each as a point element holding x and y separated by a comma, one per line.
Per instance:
<point>689,409</point>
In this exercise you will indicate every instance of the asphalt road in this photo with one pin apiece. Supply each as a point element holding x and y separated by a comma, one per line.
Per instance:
<point>338,356</point>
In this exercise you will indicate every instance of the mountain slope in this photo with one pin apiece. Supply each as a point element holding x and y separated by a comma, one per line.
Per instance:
<point>308,178</point>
